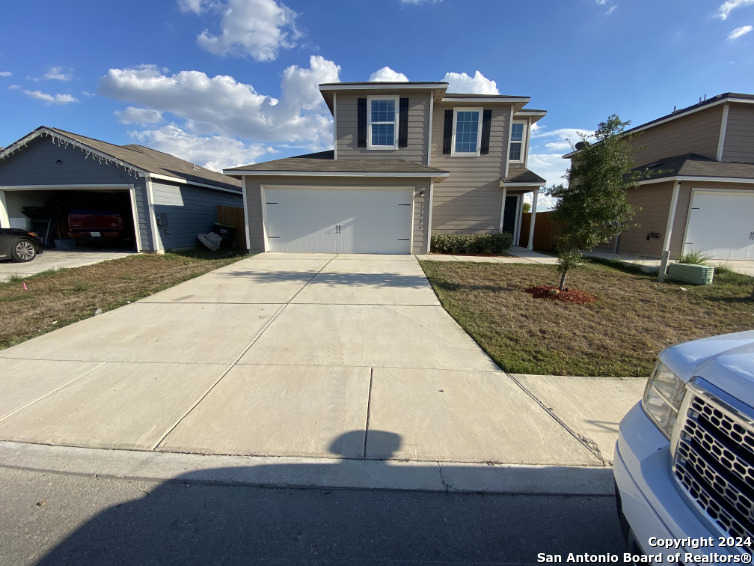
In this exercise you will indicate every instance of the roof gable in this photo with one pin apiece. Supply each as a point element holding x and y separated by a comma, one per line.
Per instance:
<point>138,160</point>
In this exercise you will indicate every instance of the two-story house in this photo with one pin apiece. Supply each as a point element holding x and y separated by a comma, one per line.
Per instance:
<point>410,160</point>
<point>697,190</point>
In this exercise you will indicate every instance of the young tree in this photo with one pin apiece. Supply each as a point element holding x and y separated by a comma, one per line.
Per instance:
<point>593,207</point>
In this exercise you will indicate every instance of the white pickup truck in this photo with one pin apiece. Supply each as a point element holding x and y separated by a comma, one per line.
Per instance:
<point>684,460</point>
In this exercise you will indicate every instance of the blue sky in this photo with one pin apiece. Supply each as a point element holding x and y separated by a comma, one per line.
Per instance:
<point>231,82</point>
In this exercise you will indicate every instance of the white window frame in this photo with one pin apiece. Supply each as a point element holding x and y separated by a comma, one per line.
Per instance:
<point>480,112</point>
<point>369,122</point>
<point>523,142</point>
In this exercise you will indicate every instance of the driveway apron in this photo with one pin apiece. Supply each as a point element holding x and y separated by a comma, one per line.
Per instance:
<point>315,355</point>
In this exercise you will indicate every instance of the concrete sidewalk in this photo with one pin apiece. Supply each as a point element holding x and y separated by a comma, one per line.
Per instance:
<point>57,259</point>
<point>311,359</point>
<point>515,255</point>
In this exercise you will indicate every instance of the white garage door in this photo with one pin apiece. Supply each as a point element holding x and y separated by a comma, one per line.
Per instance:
<point>721,224</point>
<point>338,220</point>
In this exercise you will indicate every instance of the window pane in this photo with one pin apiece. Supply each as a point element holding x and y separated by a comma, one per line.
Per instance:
<point>517,132</point>
<point>515,154</point>
<point>383,134</point>
<point>467,131</point>
<point>383,110</point>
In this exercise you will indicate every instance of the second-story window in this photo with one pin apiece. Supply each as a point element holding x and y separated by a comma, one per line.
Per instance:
<point>518,137</point>
<point>383,122</point>
<point>466,131</point>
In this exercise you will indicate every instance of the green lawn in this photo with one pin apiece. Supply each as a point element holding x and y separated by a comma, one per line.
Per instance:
<point>620,334</point>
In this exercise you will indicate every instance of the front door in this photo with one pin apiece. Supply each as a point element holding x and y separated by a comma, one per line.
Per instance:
<point>510,214</point>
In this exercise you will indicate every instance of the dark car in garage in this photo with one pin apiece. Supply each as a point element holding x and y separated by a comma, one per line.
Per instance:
<point>19,245</point>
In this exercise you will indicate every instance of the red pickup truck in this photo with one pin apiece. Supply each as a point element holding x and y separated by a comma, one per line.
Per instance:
<point>88,223</point>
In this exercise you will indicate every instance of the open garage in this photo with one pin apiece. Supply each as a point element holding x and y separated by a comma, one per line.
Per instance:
<point>80,193</point>
<point>89,219</point>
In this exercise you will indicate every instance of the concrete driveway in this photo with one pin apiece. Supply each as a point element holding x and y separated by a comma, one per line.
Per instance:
<point>299,356</point>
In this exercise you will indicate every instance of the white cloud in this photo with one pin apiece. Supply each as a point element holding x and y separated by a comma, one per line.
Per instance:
<point>387,75</point>
<point>195,6</point>
<point>611,9</point>
<point>259,28</point>
<point>479,84</point>
<point>134,115</point>
<point>64,74</point>
<point>601,2</point>
<point>222,106</point>
<point>544,202</point>
<point>558,140</point>
<point>50,98</point>
<point>727,7</point>
<point>6,74</point>
<point>551,166</point>
<point>738,32</point>
<point>212,152</point>
<point>417,2</point>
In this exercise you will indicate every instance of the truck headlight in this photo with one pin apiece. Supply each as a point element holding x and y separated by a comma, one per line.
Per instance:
<point>662,398</point>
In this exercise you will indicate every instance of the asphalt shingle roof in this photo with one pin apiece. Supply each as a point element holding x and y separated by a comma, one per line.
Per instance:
<point>693,165</point>
<point>523,175</point>
<point>153,161</point>
<point>325,162</point>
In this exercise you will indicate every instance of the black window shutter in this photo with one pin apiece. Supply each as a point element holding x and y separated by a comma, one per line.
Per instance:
<point>486,124</point>
<point>447,137</point>
<point>403,123</point>
<point>362,142</point>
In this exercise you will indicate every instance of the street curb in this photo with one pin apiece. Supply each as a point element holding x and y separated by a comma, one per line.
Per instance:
<point>450,477</point>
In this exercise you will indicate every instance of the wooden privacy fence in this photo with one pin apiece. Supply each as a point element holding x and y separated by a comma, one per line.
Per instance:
<point>233,216</point>
<point>545,230</point>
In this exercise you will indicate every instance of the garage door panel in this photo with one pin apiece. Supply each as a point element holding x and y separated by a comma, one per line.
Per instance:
<point>721,224</point>
<point>338,220</point>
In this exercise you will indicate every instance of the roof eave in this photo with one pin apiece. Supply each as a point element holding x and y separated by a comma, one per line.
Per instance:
<point>698,178</point>
<point>262,173</point>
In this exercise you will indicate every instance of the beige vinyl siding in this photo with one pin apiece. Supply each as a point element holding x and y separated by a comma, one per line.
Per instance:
<point>471,198</point>
<point>346,107</point>
<point>254,201</point>
<point>654,202</point>
<point>696,133</point>
<point>739,135</point>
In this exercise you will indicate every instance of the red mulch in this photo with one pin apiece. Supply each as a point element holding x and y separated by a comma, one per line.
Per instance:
<point>566,296</point>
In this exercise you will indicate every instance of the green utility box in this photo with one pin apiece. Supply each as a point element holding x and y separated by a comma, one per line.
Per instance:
<point>691,273</point>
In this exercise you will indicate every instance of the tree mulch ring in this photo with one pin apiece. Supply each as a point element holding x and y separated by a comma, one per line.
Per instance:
<point>566,295</point>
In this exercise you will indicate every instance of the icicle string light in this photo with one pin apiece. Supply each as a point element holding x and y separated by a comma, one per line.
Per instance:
<point>66,143</point>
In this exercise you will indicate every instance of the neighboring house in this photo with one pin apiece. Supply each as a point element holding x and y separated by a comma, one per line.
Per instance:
<point>697,193</point>
<point>410,160</point>
<point>164,201</point>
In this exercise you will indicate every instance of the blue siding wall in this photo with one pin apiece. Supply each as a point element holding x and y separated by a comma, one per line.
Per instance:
<point>190,211</point>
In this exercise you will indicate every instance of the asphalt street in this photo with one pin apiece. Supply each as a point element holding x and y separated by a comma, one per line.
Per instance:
<point>57,519</point>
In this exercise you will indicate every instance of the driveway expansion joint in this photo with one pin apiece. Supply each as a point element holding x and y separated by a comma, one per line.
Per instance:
<point>588,443</point>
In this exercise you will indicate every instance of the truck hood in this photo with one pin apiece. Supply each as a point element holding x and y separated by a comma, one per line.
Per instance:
<point>725,361</point>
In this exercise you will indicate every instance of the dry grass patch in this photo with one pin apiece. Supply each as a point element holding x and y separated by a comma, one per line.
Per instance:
<point>57,298</point>
<point>619,334</point>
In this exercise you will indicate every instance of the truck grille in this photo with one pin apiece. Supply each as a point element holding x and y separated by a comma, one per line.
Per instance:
<point>714,462</point>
